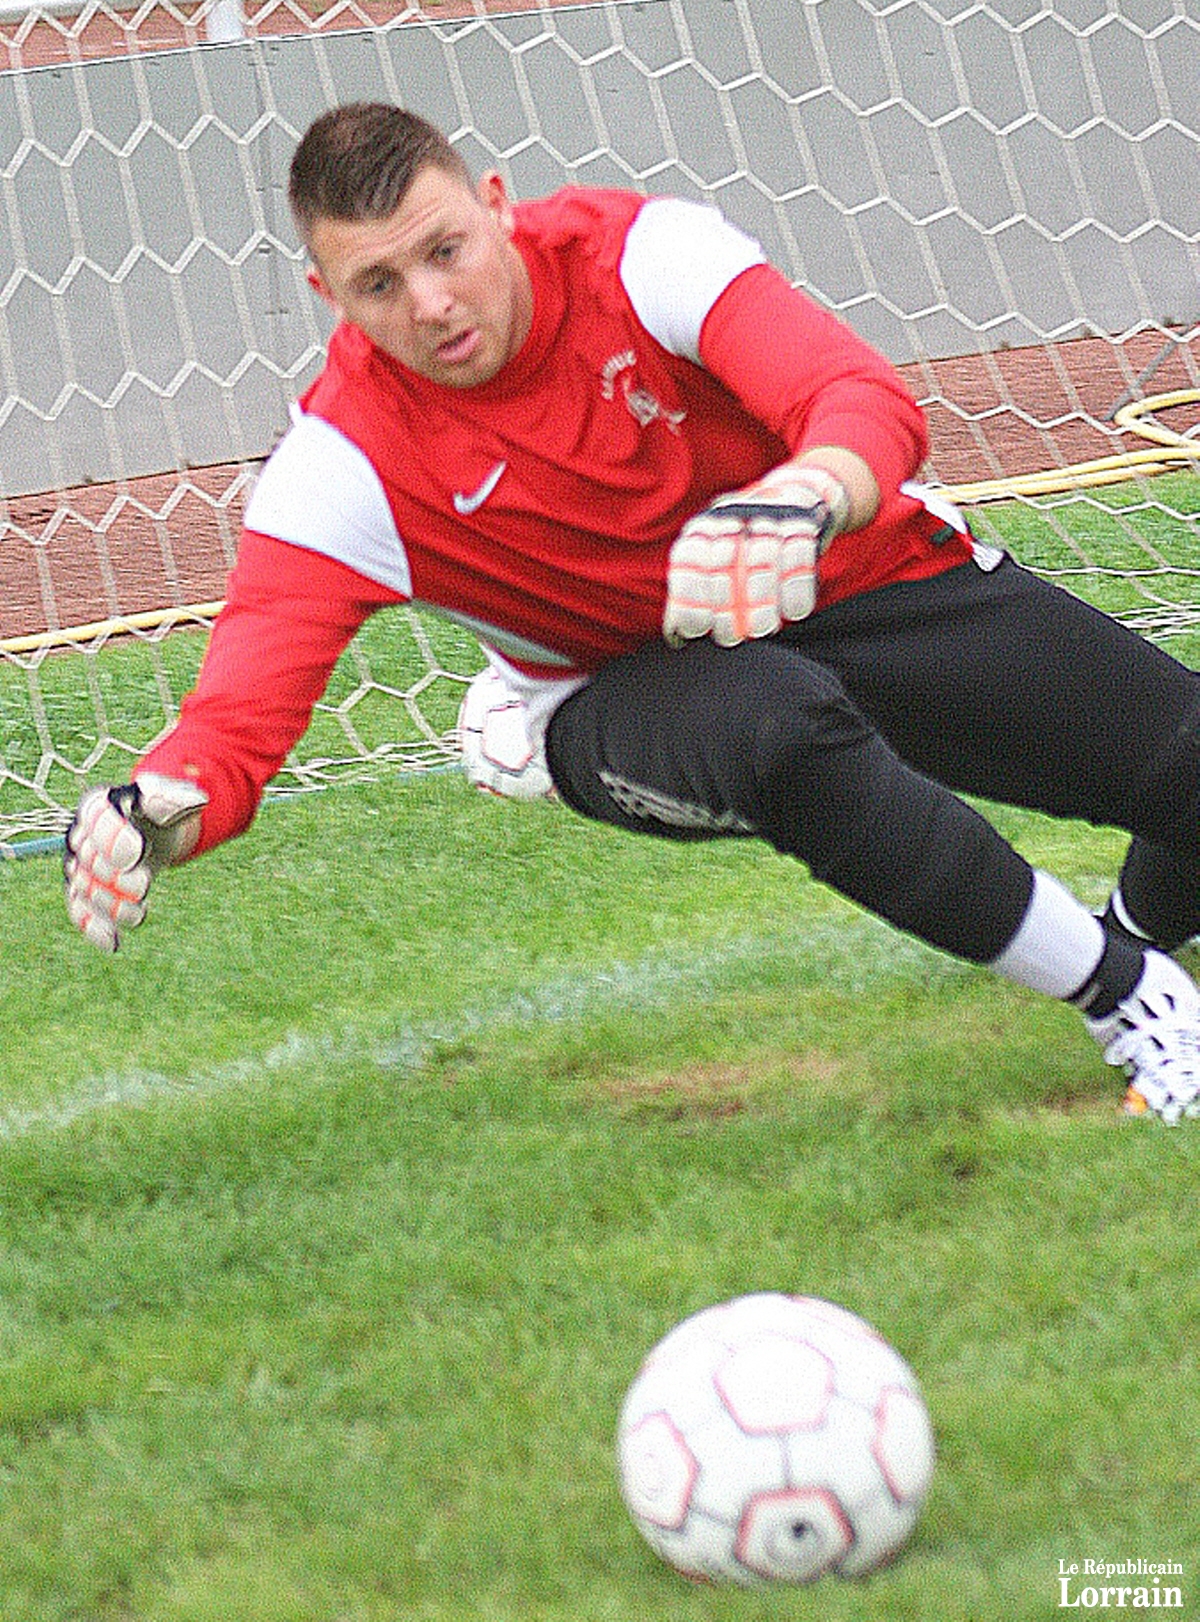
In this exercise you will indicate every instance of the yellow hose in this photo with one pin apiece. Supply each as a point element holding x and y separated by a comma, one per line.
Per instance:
<point>1175,450</point>
<point>154,619</point>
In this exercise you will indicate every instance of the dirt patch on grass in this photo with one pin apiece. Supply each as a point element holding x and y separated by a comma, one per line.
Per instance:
<point>718,1090</point>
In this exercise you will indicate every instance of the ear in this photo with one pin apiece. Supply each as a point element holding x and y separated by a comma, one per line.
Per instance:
<point>493,194</point>
<point>316,282</point>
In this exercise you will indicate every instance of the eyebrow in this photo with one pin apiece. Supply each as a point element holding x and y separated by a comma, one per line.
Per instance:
<point>424,245</point>
<point>377,267</point>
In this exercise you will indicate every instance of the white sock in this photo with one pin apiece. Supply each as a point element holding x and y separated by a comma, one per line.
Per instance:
<point>1058,945</point>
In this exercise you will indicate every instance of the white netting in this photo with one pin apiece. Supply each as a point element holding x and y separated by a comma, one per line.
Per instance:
<point>1001,196</point>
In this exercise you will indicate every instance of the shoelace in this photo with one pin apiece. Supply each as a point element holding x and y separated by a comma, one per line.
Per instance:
<point>1163,1065</point>
<point>1150,1047</point>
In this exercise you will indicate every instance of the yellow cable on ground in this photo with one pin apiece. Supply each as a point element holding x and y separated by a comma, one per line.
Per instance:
<point>154,619</point>
<point>1130,416</point>
<point>1176,450</point>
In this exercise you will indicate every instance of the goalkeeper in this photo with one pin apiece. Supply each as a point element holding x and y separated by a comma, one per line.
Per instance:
<point>677,501</point>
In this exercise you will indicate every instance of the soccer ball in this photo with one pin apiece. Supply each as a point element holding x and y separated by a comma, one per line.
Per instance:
<point>774,1438</point>
<point>497,755</point>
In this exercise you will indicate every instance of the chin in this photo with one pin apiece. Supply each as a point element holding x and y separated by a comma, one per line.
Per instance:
<point>466,377</point>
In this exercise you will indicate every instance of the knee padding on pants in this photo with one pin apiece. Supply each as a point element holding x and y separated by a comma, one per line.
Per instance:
<point>1168,796</point>
<point>833,793</point>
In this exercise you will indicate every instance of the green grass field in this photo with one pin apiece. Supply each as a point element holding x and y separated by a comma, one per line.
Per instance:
<point>339,1208</point>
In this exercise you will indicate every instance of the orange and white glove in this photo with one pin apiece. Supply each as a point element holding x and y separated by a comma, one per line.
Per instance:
<point>747,564</point>
<point>119,838</point>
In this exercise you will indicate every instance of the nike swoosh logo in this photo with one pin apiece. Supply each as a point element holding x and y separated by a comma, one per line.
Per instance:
<point>465,505</point>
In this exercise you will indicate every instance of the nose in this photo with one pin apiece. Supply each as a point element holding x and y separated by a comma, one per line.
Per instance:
<point>430,299</point>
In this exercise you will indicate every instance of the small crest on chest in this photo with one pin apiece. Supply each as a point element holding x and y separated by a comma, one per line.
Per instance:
<point>619,381</point>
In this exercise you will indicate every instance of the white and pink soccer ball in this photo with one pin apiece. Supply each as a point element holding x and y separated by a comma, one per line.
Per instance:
<point>498,756</point>
<point>775,1438</point>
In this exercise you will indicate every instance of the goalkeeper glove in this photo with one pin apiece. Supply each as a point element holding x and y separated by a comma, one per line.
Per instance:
<point>118,840</point>
<point>748,564</point>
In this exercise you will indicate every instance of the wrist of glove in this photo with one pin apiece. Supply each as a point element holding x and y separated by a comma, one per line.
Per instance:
<point>747,564</point>
<point>119,838</point>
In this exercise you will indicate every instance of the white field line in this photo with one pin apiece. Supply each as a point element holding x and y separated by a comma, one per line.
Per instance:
<point>849,954</point>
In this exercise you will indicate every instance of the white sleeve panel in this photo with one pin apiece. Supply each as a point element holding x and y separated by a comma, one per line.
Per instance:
<point>319,491</point>
<point>679,258</point>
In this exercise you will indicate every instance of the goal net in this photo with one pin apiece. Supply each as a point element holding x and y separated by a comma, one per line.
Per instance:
<point>999,196</point>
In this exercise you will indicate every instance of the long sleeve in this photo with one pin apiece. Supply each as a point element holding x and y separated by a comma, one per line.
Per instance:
<point>810,378</point>
<point>288,616</point>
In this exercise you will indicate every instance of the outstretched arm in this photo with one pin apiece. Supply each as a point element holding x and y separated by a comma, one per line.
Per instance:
<point>288,616</point>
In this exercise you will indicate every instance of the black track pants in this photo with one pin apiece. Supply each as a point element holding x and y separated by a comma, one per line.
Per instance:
<point>846,741</point>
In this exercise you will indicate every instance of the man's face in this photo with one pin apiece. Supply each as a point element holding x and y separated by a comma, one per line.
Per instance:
<point>438,285</point>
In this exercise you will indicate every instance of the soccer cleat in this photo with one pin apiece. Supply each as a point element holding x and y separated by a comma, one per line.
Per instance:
<point>1155,1035</point>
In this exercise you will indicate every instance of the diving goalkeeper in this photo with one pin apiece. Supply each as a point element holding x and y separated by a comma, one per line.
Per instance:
<point>679,503</point>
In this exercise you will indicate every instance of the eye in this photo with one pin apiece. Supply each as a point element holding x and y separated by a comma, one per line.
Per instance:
<point>377,284</point>
<point>445,252</point>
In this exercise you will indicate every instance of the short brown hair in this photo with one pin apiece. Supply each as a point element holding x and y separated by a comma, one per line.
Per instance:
<point>356,162</point>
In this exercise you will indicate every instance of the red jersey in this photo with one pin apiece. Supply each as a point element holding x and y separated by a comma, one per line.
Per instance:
<point>666,364</point>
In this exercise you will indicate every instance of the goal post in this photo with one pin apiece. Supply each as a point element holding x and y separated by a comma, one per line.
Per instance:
<point>999,197</point>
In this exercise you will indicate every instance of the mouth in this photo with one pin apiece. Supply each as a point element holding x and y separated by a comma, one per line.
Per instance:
<point>454,351</point>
